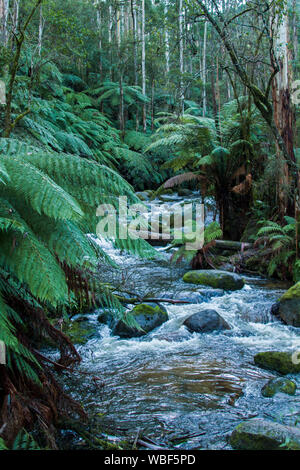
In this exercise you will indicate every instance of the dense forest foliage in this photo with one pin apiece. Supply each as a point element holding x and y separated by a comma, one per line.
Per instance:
<point>102,98</point>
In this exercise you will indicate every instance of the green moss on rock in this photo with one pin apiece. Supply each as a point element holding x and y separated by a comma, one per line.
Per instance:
<point>277,361</point>
<point>79,331</point>
<point>214,278</point>
<point>147,316</point>
<point>289,306</point>
<point>292,293</point>
<point>279,385</point>
<point>260,434</point>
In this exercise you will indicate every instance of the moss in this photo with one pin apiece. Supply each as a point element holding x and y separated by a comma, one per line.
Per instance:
<point>259,434</point>
<point>279,385</point>
<point>217,279</point>
<point>78,331</point>
<point>146,309</point>
<point>278,361</point>
<point>292,293</point>
<point>147,317</point>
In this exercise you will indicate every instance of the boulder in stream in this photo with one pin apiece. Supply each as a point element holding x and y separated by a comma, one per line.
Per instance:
<point>288,308</point>
<point>278,361</point>
<point>214,278</point>
<point>206,321</point>
<point>147,316</point>
<point>260,434</point>
<point>278,385</point>
<point>80,330</point>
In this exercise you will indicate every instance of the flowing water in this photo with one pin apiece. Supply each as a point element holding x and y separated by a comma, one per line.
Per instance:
<point>182,390</point>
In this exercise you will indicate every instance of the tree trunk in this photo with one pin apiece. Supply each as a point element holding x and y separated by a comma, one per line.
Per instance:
<point>135,52</point>
<point>181,61</point>
<point>144,66</point>
<point>167,42</point>
<point>283,110</point>
<point>152,104</point>
<point>41,30</point>
<point>204,73</point>
<point>118,28</point>
<point>16,16</point>
<point>122,118</point>
<point>4,11</point>
<point>110,26</point>
<point>99,24</point>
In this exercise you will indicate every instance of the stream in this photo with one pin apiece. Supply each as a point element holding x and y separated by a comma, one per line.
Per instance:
<point>183,390</point>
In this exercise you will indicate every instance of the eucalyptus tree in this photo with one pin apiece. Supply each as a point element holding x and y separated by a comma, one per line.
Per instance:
<point>261,50</point>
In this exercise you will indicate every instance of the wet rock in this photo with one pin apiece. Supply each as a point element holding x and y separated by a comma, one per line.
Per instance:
<point>206,321</point>
<point>106,317</point>
<point>278,385</point>
<point>288,309</point>
<point>182,192</point>
<point>260,434</point>
<point>278,361</point>
<point>147,316</point>
<point>214,278</point>
<point>275,309</point>
<point>79,331</point>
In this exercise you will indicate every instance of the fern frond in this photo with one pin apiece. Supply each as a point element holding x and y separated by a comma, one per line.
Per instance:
<point>39,190</point>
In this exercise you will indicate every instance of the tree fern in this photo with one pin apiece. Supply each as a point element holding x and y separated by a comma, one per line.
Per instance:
<point>282,241</point>
<point>25,441</point>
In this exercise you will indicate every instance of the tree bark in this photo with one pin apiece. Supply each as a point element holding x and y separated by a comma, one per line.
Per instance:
<point>284,116</point>
<point>99,24</point>
<point>41,30</point>
<point>122,118</point>
<point>181,60</point>
<point>144,65</point>
<point>4,11</point>
<point>204,73</point>
<point>135,53</point>
<point>167,42</point>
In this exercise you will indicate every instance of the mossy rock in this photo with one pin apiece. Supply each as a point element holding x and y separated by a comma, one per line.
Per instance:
<point>214,278</point>
<point>277,361</point>
<point>292,293</point>
<point>281,385</point>
<point>260,434</point>
<point>79,331</point>
<point>289,306</point>
<point>147,316</point>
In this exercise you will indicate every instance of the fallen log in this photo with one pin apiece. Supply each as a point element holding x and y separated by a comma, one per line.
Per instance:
<point>233,246</point>
<point>138,300</point>
<point>219,244</point>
